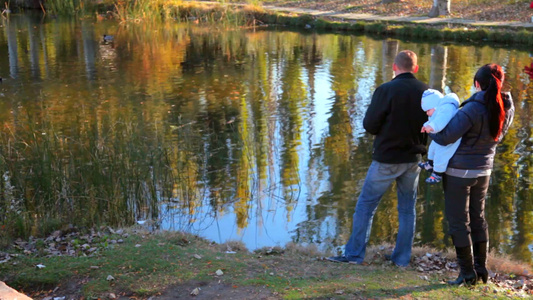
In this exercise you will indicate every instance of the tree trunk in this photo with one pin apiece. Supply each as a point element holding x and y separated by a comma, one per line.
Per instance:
<point>439,64</point>
<point>440,8</point>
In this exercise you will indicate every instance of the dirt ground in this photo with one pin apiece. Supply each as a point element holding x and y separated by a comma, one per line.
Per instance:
<point>486,10</point>
<point>214,290</point>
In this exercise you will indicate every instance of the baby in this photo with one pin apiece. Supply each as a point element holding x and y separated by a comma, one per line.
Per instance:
<point>440,110</point>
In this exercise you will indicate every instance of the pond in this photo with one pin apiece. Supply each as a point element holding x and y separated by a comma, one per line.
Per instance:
<point>248,134</point>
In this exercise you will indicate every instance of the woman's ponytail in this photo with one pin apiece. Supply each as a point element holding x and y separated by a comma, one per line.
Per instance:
<point>490,79</point>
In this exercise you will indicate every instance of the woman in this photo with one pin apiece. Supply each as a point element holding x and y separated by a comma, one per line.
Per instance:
<point>481,123</point>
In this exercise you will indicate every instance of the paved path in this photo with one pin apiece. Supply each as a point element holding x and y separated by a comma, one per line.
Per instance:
<point>418,20</point>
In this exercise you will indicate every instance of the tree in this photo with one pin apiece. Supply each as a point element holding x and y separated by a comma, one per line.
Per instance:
<point>440,8</point>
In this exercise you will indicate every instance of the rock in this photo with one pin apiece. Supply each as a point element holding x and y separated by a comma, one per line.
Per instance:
<point>219,272</point>
<point>112,296</point>
<point>8,293</point>
<point>110,278</point>
<point>197,256</point>
<point>195,292</point>
<point>519,285</point>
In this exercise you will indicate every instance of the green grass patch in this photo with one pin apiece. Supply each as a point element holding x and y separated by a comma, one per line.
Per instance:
<point>150,264</point>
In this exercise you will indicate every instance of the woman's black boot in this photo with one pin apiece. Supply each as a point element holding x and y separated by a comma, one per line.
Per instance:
<point>464,259</point>
<point>480,260</point>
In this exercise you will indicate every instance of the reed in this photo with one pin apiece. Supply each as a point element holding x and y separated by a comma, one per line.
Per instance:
<point>114,176</point>
<point>70,7</point>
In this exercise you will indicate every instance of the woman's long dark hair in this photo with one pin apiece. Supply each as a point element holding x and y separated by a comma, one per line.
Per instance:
<point>490,79</point>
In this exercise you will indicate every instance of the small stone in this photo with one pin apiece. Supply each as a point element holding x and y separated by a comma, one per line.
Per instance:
<point>110,278</point>
<point>112,296</point>
<point>219,272</point>
<point>137,245</point>
<point>339,292</point>
<point>95,267</point>
<point>519,285</point>
<point>195,292</point>
<point>197,256</point>
<point>120,241</point>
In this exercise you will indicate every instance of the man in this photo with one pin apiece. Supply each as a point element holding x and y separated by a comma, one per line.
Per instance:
<point>395,117</point>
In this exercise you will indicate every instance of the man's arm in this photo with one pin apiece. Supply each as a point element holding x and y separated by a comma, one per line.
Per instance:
<point>376,113</point>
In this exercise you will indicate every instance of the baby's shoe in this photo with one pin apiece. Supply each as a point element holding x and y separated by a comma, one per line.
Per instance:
<point>434,178</point>
<point>425,166</point>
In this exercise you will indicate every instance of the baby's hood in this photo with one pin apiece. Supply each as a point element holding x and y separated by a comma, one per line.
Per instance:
<point>450,98</point>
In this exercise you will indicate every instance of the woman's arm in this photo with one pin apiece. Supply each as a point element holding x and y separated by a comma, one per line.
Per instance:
<point>442,117</point>
<point>455,129</point>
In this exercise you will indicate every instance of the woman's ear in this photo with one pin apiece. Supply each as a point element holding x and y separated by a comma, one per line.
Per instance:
<point>478,87</point>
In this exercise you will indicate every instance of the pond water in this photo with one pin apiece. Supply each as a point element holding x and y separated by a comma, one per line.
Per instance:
<point>252,135</point>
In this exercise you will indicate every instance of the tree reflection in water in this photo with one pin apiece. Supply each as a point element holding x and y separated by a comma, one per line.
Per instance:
<point>231,134</point>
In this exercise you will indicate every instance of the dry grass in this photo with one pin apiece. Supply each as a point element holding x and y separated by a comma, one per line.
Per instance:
<point>499,263</point>
<point>236,246</point>
<point>310,250</point>
<point>489,10</point>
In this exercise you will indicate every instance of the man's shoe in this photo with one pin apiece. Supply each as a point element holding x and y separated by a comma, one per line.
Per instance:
<point>388,257</point>
<point>341,259</point>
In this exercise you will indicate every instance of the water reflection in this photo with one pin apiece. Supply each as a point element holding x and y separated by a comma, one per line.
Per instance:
<point>232,134</point>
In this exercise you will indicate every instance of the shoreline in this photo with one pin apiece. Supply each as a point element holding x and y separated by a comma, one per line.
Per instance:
<point>133,262</point>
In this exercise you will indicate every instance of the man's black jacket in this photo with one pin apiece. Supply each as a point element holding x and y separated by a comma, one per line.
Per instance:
<point>395,117</point>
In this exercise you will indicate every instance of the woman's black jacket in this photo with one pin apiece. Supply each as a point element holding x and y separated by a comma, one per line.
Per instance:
<point>477,148</point>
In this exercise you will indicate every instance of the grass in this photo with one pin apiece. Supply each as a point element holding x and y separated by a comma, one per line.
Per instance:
<point>152,264</point>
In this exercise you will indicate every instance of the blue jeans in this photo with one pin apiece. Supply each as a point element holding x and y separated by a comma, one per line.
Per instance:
<point>378,179</point>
